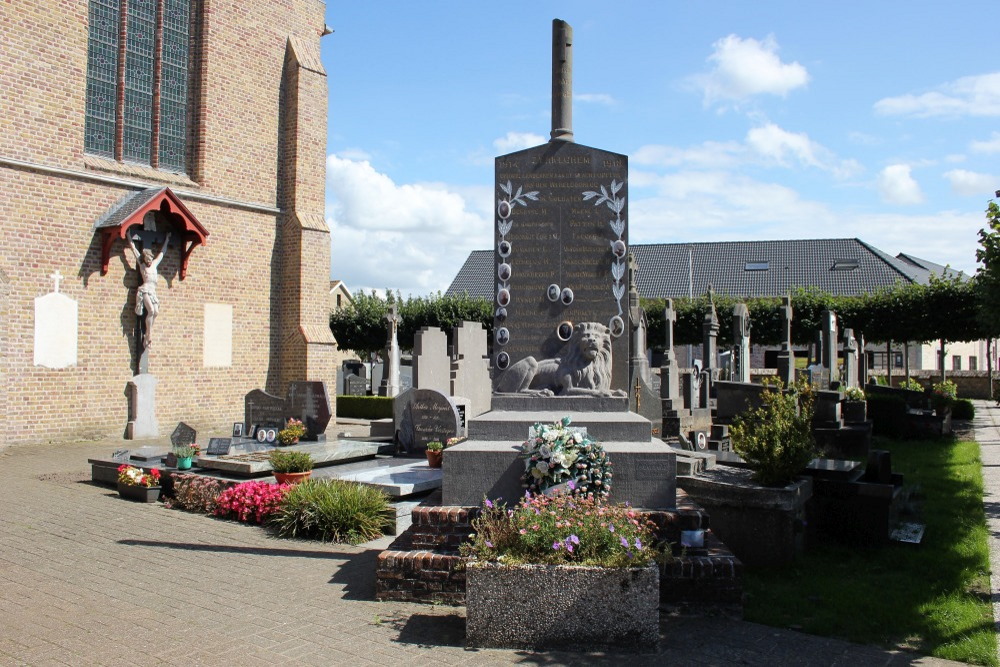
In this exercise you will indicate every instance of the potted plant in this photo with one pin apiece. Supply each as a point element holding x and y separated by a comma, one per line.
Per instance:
<point>137,484</point>
<point>185,454</point>
<point>943,395</point>
<point>759,511</point>
<point>294,429</point>
<point>435,454</point>
<point>568,551</point>
<point>290,467</point>
<point>855,406</point>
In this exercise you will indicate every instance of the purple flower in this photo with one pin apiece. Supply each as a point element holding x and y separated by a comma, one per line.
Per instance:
<point>489,504</point>
<point>569,547</point>
<point>557,545</point>
<point>489,544</point>
<point>571,485</point>
<point>625,543</point>
<point>638,544</point>
<point>611,528</point>
<point>574,539</point>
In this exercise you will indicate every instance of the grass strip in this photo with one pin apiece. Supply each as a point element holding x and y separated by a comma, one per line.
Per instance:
<point>932,598</point>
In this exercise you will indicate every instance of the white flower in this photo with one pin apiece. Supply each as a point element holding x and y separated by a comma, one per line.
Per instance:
<point>543,467</point>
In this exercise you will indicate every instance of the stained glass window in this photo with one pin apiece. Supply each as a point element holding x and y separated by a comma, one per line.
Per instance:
<point>125,91</point>
<point>102,77</point>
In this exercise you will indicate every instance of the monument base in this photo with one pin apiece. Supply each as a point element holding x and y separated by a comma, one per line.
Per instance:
<point>644,473</point>
<point>142,408</point>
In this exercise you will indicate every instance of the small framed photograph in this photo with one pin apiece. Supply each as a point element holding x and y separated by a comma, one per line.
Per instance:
<point>272,435</point>
<point>252,433</point>
<point>238,430</point>
<point>262,435</point>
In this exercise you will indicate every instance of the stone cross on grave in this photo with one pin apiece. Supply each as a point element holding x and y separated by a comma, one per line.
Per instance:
<point>390,380</point>
<point>56,277</point>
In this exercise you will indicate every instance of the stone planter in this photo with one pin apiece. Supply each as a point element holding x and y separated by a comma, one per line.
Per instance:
<point>855,412</point>
<point>142,494</point>
<point>561,606</point>
<point>762,525</point>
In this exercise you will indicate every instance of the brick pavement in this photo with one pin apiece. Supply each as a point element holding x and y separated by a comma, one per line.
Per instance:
<point>89,579</point>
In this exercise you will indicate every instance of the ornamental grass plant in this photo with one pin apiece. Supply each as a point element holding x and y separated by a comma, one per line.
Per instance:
<point>290,461</point>
<point>776,438</point>
<point>333,510</point>
<point>562,529</point>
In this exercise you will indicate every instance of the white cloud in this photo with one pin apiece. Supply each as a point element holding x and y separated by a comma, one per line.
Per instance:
<point>356,154</point>
<point>596,98</point>
<point>968,96</point>
<point>896,186</point>
<point>411,237</point>
<point>782,147</point>
<point>710,154</point>
<point>515,141</point>
<point>742,68</point>
<point>767,144</point>
<point>964,182</point>
<point>991,145</point>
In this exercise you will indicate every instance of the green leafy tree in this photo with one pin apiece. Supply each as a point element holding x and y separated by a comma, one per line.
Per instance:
<point>988,273</point>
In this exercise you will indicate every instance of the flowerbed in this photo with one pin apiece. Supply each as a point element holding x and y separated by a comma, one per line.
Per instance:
<point>250,502</point>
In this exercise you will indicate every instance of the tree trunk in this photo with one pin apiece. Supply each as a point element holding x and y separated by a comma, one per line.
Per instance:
<point>888,362</point>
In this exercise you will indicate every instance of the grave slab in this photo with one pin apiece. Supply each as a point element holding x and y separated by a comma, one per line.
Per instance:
<point>397,481</point>
<point>256,463</point>
<point>601,426</point>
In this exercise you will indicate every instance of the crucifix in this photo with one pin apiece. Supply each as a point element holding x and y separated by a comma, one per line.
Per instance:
<point>56,277</point>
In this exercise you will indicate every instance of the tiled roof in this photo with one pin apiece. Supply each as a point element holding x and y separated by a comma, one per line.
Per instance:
<point>125,207</point>
<point>742,268</point>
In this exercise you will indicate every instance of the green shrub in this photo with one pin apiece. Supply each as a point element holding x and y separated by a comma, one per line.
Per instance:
<point>911,384</point>
<point>963,409</point>
<point>888,414</point>
<point>364,407</point>
<point>333,510</point>
<point>775,438</point>
<point>290,461</point>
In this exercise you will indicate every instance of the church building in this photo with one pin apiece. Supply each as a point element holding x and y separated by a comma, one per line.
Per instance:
<point>162,175</point>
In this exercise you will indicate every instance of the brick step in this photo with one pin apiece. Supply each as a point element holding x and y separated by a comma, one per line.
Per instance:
<point>423,564</point>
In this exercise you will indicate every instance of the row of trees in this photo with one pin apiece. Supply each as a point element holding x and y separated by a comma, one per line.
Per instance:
<point>945,309</point>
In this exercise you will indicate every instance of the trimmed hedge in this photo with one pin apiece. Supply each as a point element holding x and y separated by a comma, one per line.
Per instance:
<point>364,407</point>
<point>963,408</point>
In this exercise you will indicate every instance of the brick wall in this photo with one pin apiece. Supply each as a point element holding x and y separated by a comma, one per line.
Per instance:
<point>46,223</point>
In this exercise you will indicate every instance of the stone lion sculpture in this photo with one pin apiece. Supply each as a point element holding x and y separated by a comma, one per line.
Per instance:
<point>583,368</point>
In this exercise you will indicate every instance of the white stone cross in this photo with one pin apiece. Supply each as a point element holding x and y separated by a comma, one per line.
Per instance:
<point>56,277</point>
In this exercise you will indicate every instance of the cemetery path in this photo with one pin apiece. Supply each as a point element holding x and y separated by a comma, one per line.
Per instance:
<point>89,579</point>
<point>987,434</point>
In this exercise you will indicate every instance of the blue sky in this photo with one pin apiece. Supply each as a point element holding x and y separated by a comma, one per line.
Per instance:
<point>742,121</point>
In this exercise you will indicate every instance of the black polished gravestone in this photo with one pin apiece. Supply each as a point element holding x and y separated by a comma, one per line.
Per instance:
<point>183,435</point>
<point>264,409</point>
<point>560,254</point>
<point>219,446</point>
<point>428,416</point>
<point>310,402</point>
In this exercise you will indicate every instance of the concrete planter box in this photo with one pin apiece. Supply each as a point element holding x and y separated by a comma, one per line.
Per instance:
<point>762,525</point>
<point>561,606</point>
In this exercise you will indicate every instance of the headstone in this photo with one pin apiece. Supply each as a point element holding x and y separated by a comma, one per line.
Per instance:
<point>309,402</point>
<point>639,325</point>
<point>431,365</point>
<point>183,435</point>
<point>218,446</point>
<point>850,359</point>
<point>263,409</point>
<point>710,334</point>
<point>355,386</point>
<point>55,328</point>
<point>669,372</point>
<point>829,333</point>
<point>560,246</point>
<point>741,339</point>
<point>470,369</point>
<point>390,381</point>
<point>142,408</point>
<point>862,361</point>
<point>786,357</point>
<point>428,416</point>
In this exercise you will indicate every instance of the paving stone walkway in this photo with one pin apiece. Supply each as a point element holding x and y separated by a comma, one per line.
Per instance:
<point>89,579</point>
<point>987,430</point>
